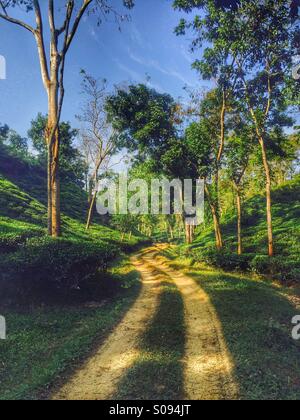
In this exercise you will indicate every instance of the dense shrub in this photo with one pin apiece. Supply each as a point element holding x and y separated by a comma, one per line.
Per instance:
<point>283,267</point>
<point>44,268</point>
<point>222,259</point>
<point>286,269</point>
<point>12,242</point>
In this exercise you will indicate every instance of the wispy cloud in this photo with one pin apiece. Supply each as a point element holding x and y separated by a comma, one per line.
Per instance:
<point>132,73</point>
<point>138,39</point>
<point>136,36</point>
<point>137,77</point>
<point>186,54</point>
<point>94,34</point>
<point>157,66</point>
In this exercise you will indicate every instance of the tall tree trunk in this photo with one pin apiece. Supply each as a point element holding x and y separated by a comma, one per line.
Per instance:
<point>221,149</point>
<point>188,233</point>
<point>268,197</point>
<point>239,220</point>
<point>49,192</point>
<point>171,232</point>
<point>91,209</point>
<point>52,138</point>
<point>260,135</point>
<point>214,212</point>
<point>56,220</point>
<point>92,197</point>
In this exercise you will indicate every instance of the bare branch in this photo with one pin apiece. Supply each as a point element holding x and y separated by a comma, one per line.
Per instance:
<point>66,24</point>
<point>269,90</point>
<point>39,36</point>
<point>78,18</point>
<point>52,26</point>
<point>10,19</point>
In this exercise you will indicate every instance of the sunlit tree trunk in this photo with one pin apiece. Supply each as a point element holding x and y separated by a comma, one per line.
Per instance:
<point>239,220</point>
<point>266,165</point>
<point>52,139</point>
<point>260,130</point>
<point>188,233</point>
<point>268,197</point>
<point>221,149</point>
<point>91,210</point>
<point>215,216</point>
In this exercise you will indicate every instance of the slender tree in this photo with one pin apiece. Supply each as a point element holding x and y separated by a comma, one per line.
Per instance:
<point>53,69</point>
<point>238,151</point>
<point>99,140</point>
<point>269,51</point>
<point>217,63</point>
<point>201,157</point>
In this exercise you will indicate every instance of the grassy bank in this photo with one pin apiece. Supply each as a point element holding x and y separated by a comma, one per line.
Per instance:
<point>286,215</point>
<point>36,269</point>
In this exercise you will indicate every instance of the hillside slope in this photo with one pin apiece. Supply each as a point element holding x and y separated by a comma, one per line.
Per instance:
<point>31,260</point>
<point>286,223</point>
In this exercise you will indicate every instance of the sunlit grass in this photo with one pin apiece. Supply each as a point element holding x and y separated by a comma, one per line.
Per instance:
<point>256,321</point>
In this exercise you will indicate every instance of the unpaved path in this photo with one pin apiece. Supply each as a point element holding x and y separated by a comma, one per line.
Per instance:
<point>207,363</point>
<point>97,379</point>
<point>208,368</point>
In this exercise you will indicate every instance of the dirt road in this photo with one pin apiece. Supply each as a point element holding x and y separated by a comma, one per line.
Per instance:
<point>207,363</point>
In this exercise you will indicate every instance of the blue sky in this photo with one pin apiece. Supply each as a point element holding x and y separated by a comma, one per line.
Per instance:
<point>145,46</point>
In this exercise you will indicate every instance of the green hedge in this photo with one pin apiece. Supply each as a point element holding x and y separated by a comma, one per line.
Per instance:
<point>45,268</point>
<point>222,259</point>
<point>284,268</point>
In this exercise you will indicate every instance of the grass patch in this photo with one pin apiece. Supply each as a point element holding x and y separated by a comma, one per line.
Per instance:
<point>158,372</point>
<point>57,339</point>
<point>256,320</point>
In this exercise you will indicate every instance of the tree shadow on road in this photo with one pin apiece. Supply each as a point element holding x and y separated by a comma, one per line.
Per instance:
<point>158,372</point>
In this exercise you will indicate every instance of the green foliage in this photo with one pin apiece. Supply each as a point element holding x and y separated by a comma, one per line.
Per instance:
<point>44,268</point>
<point>144,119</point>
<point>72,165</point>
<point>286,268</point>
<point>23,188</point>
<point>14,142</point>
<point>200,145</point>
